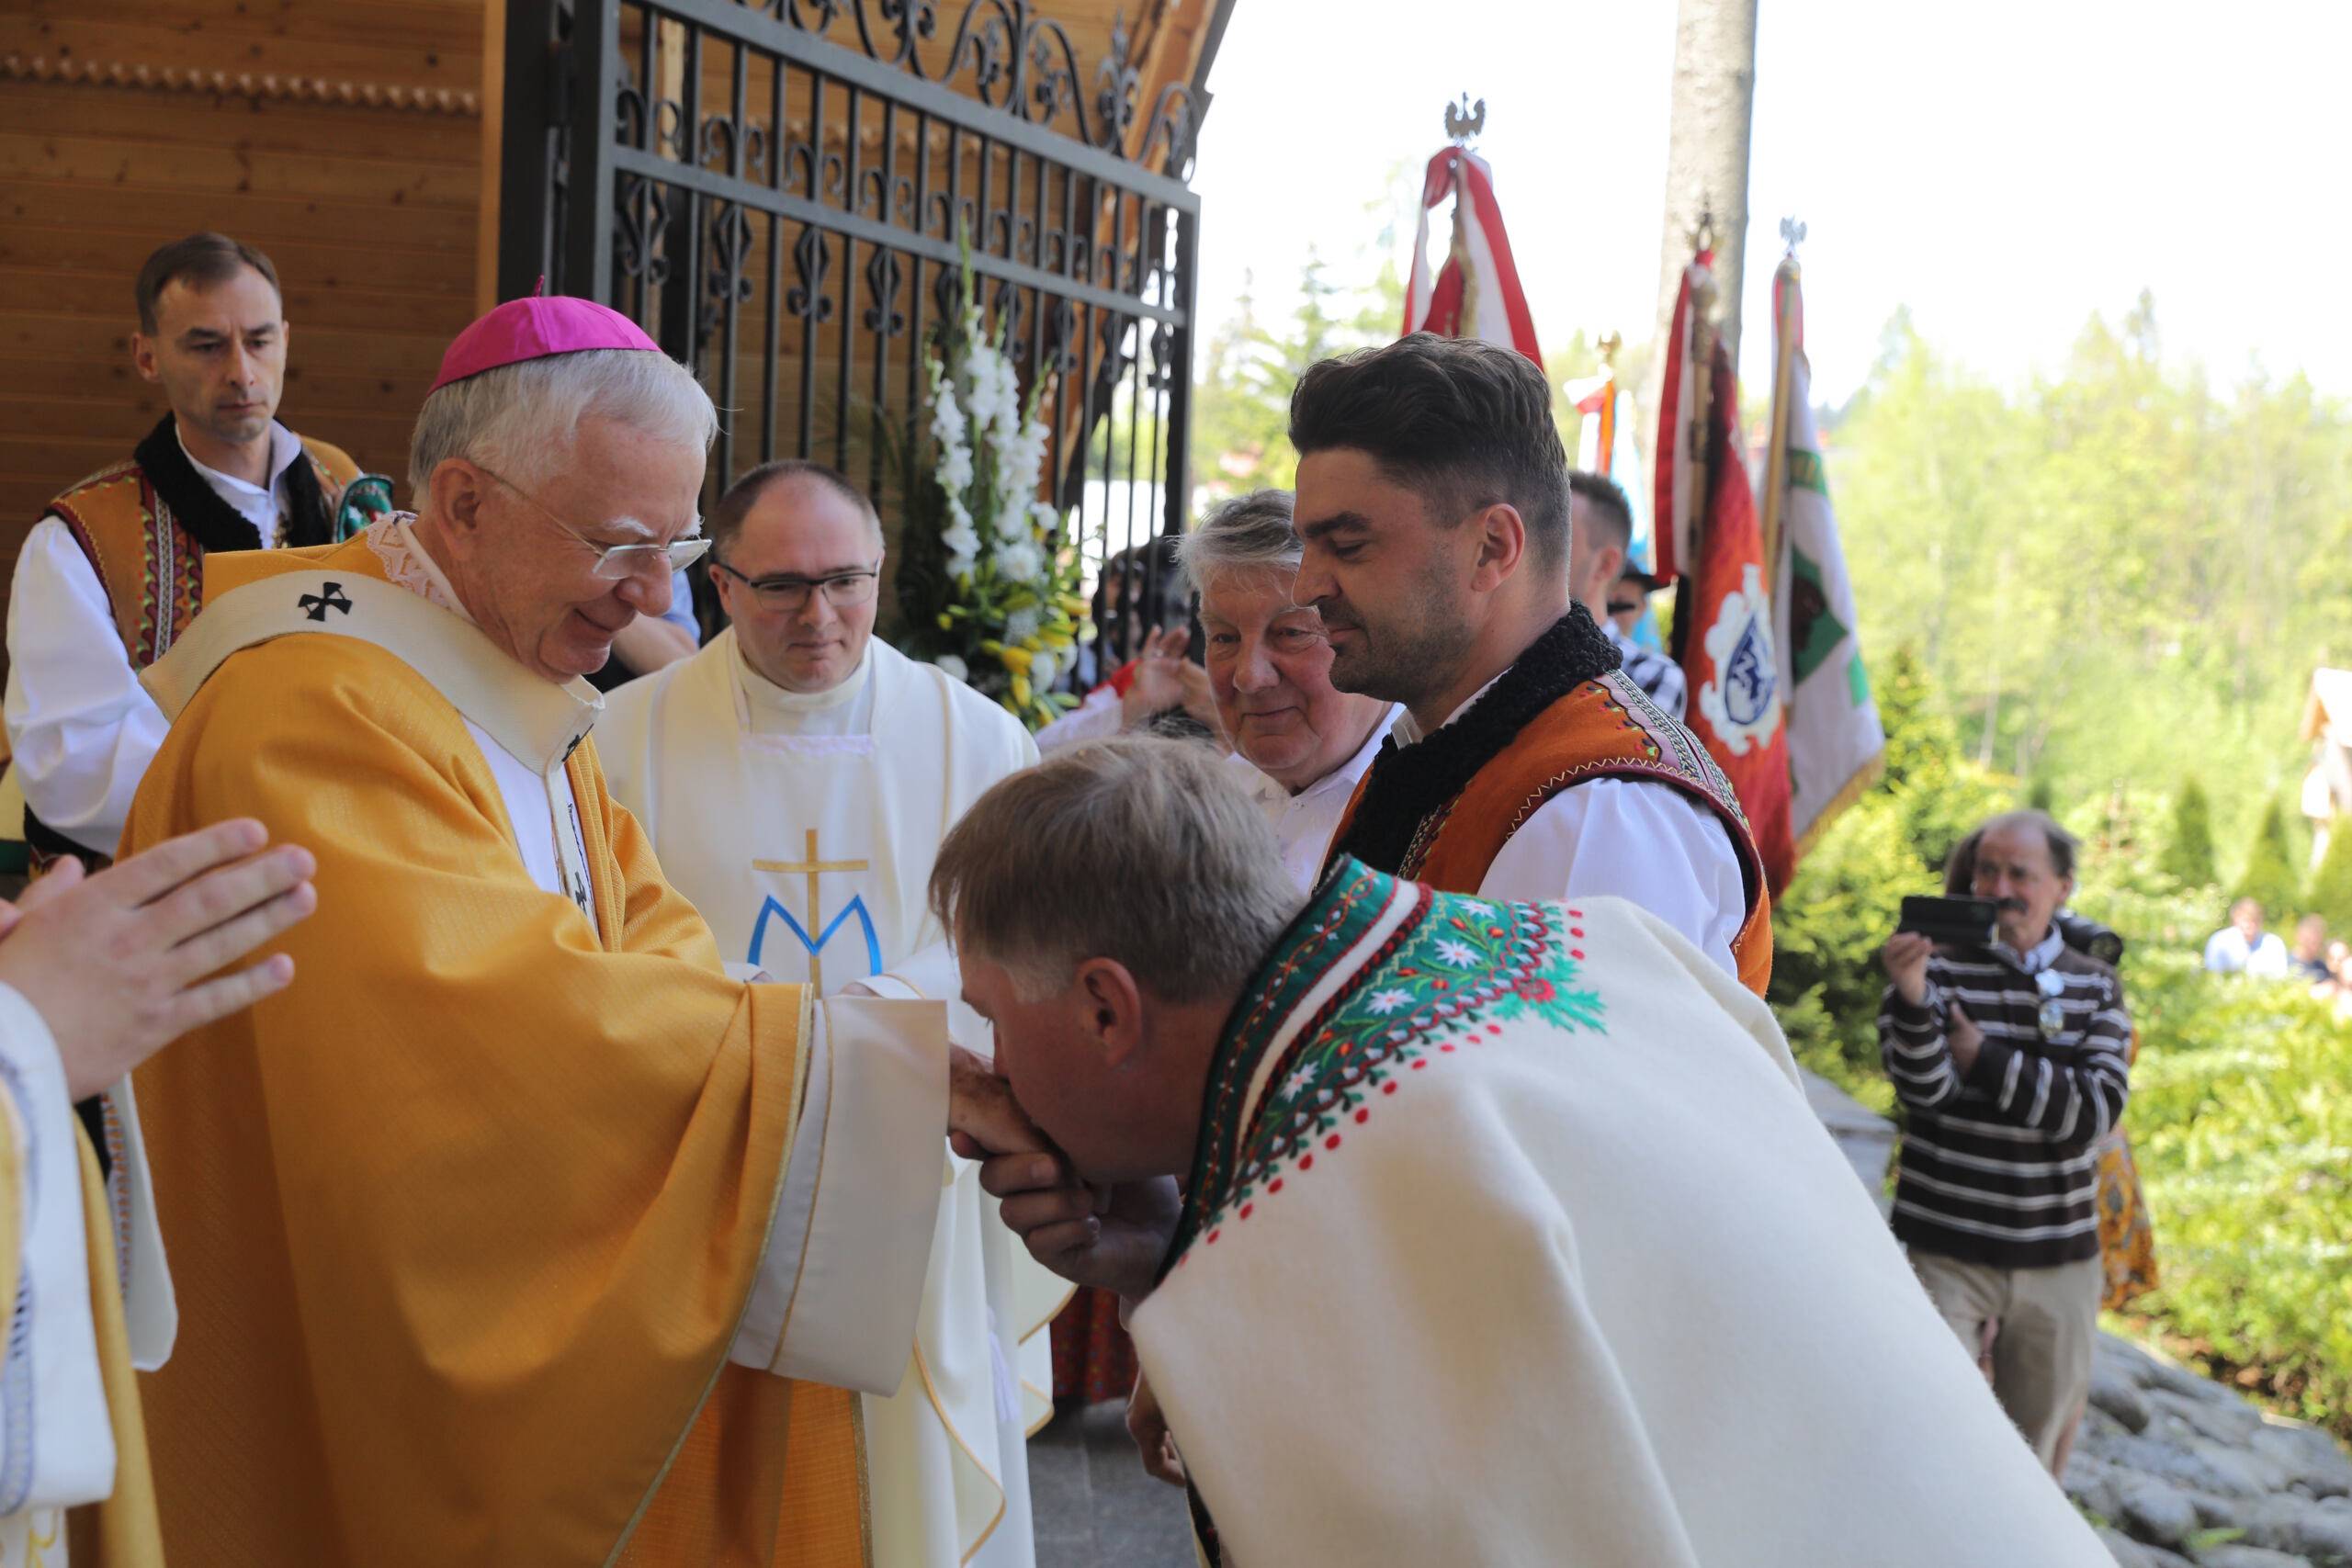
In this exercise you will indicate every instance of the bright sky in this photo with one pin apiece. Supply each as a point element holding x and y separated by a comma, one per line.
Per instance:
<point>2005,167</point>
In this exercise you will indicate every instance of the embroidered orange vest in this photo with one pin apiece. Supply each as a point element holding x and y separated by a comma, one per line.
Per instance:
<point>1604,729</point>
<point>150,565</point>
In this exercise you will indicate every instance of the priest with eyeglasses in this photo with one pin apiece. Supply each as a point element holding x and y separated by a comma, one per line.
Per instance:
<point>796,778</point>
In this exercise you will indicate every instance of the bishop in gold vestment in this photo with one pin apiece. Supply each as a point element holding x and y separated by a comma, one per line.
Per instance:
<point>516,1231</point>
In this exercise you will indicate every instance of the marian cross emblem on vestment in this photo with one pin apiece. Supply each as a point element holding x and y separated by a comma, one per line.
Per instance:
<point>816,933</point>
<point>318,605</point>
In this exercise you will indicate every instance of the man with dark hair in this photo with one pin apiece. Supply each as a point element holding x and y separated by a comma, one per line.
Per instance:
<point>795,777</point>
<point>114,571</point>
<point>1433,507</point>
<point>1601,535</point>
<point>2010,1061</point>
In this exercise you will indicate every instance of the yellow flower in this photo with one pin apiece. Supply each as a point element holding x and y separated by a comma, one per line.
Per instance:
<point>989,644</point>
<point>1017,661</point>
<point>1032,644</point>
<point>1020,690</point>
<point>1056,639</point>
<point>946,622</point>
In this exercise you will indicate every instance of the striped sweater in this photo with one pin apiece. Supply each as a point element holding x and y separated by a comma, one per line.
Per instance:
<point>2000,1163</point>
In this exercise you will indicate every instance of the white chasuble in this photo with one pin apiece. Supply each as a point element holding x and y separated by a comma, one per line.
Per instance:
<point>1511,1239</point>
<point>804,828</point>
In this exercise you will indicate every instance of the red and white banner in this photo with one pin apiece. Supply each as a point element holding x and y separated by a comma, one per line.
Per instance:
<point>1723,610</point>
<point>1477,292</point>
<point>1681,422</point>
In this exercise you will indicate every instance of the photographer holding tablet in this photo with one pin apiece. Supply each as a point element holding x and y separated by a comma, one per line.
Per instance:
<point>2007,1049</point>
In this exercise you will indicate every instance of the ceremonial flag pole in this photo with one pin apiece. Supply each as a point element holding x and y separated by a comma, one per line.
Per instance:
<point>1836,740</point>
<point>1477,293</point>
<point>1708,538</point>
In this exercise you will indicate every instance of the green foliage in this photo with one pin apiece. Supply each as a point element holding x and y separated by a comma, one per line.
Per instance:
<point>2330,889</point>
<point>2243,1135</point>
<point>2108,571</point>
<point>2189,852</point>
<point>1241,419</point>
<point>2269,878</point>
<point>1840,908</point>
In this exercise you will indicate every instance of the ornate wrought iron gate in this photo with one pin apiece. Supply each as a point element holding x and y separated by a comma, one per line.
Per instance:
<point>784,193</point>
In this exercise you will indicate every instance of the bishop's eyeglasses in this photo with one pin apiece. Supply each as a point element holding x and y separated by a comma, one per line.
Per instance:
<point>615,562</point>
<point>791,593</point>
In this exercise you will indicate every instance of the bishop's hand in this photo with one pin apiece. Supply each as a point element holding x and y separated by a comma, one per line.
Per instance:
<point>1111,1238</point>
<point>983,1118</point>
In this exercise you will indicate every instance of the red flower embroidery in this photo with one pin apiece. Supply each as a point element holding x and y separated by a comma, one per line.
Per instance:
<point>1535,988</point>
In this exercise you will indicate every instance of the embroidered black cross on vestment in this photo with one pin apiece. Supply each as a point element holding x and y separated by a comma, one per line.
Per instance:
<point>319,604</point>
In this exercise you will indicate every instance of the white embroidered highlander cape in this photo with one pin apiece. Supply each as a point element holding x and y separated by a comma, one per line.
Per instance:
<point>1511,1239</point>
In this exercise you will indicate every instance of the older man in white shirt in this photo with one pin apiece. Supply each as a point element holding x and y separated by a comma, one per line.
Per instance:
<point>1303,744</point>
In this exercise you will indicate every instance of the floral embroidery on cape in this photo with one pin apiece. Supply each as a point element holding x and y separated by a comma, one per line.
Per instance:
<point>1453,975</point>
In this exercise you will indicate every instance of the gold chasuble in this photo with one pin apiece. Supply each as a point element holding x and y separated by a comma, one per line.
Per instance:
<point>501,1235</point>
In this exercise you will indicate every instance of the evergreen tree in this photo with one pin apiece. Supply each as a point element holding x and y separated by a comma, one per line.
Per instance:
<point>2188,850</point>
<point>2330,889</point>
<point>2269,876</point>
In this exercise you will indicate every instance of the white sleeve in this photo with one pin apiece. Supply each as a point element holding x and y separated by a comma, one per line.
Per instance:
<point>1646,843</point>
<point>841,1283</point>
<point>51,1350</point>
<point>1098,717</point>
<point>81,728</point>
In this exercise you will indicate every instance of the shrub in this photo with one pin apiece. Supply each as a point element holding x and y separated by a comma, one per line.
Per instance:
<point>2241,1129</point>
<point>2330,889</point>
<point>2270,878</point>
<point>2187,857</point>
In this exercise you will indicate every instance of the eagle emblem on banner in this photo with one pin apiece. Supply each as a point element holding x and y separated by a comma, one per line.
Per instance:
<point>1742,696</point>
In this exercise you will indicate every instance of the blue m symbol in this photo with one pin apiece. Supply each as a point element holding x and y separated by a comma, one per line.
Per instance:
<point>770,908</point>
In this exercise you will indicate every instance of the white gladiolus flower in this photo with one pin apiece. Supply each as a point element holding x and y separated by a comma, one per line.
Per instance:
<point>955,467</point>
<point>1044,518</point>
<point>957,669</point>
<point>1020,561</point>
<point>1043,668</point>
<point>1021,625</point>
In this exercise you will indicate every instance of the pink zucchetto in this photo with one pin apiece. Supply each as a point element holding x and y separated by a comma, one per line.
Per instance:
<point>539,328</point>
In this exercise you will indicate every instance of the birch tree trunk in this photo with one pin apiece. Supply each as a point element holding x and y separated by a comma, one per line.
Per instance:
<point>1706,161</point>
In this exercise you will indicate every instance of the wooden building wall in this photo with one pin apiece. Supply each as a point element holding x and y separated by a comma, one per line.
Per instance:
<point>342,137</point>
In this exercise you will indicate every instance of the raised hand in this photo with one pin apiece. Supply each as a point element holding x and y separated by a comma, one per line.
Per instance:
<point>1165,679</point>
<point>115,964</point>
<point>1906,957</point>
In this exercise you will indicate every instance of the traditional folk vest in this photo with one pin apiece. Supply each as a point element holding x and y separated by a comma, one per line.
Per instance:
<point>1605,729</point>
<point>146,525</point>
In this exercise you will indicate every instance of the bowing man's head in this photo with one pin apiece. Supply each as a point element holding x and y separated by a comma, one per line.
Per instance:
<point>795,554</point>
<point>1108,907</point>
<point>557,468</point>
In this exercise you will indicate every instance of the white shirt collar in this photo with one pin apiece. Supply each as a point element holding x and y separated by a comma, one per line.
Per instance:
<point>284,447</point>
<point>2034,960</point>
<point>1409,733</point>
<point>1343,777</point>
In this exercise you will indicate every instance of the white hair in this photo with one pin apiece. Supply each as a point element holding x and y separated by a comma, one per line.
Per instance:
<point>1251,533</point>
<point>520,419</point>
